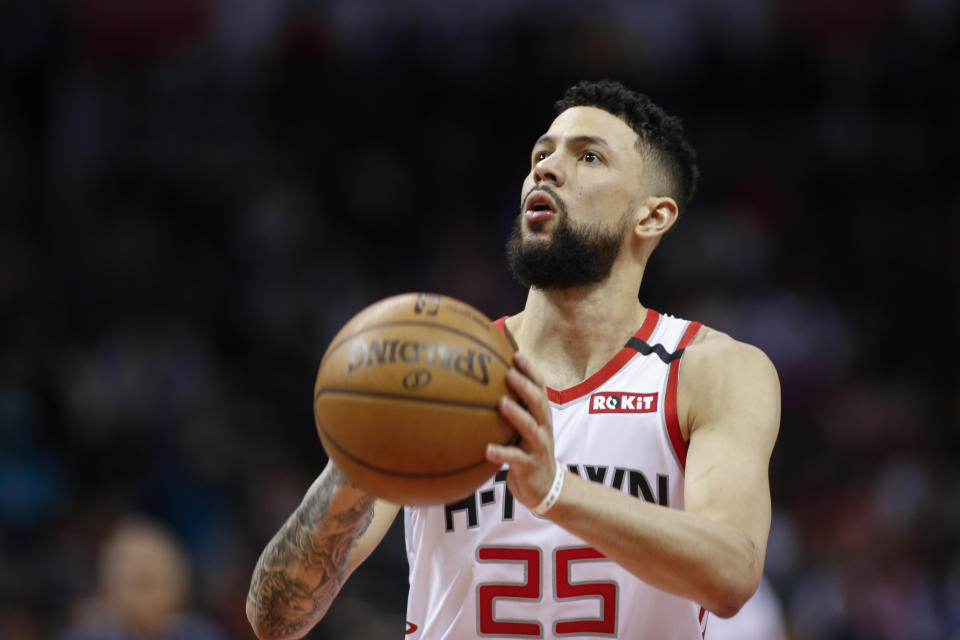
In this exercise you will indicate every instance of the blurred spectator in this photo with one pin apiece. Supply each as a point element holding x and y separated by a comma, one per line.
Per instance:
<point>144,590</point>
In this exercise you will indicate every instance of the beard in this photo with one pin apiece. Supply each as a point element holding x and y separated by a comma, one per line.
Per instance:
<point>575,256</point>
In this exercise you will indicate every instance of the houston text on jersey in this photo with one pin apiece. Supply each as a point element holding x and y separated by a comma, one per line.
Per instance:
<point>631,481</point>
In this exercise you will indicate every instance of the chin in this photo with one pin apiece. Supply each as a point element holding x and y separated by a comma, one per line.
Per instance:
<point>538,233</point>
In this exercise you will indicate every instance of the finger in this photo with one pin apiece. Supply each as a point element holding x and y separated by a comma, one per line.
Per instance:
<point>500,454</point>
<point>525,424</point>
<point>532,394</point>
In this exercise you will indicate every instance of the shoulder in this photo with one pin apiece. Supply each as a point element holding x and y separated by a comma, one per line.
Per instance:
<point>713,354</point>
<point>721,377</point>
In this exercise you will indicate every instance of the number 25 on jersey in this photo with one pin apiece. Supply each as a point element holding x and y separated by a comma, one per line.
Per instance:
<point>563,589</point>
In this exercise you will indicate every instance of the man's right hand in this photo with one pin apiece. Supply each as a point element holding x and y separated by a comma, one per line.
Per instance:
<point>303,567</point>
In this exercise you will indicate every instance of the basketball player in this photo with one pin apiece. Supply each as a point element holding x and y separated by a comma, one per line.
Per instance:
<point>637,502</point>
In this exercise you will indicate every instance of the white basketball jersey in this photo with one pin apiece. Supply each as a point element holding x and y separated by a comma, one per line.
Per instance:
<point>486,567</point>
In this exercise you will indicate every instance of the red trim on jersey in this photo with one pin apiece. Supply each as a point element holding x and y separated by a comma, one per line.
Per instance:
<point>581,389</point>
<point>606,372</point>
<point>670,402</point>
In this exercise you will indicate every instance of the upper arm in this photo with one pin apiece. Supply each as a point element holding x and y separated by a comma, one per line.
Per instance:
<point>729,394</point>
<point>383,515</point>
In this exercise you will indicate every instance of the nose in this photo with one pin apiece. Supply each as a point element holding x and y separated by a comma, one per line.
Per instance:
<point>549,170</point>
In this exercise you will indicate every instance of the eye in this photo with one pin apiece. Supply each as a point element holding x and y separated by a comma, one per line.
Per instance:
<point>590,157</point>
<point>539,156</point>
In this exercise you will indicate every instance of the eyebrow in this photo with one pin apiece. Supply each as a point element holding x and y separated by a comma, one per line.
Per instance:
<point>581,140</point>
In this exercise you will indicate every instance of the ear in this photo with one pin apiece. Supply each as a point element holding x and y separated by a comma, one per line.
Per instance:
<point>655,217</point>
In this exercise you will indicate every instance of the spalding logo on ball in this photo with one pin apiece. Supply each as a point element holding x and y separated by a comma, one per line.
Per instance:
<point>406,398</point>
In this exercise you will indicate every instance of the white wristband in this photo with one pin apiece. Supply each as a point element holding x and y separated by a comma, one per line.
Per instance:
<point>555,488</point>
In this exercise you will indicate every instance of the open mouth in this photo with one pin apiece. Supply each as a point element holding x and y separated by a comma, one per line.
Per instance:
<point>540,207</point>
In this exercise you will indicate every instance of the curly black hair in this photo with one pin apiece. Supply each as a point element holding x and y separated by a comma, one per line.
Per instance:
<point>660,133</point>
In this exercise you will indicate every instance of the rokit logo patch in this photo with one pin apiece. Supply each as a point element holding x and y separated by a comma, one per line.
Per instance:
<point>623,402</point>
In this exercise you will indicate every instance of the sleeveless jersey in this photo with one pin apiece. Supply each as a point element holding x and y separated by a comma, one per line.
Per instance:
<point>486,567</point>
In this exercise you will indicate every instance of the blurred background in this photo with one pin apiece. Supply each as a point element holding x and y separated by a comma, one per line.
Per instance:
<point>197,194</point>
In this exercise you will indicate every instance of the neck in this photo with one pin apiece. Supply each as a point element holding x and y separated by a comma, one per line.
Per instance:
<point>570,334</point>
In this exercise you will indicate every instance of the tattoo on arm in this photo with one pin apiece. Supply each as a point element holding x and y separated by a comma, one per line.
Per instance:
<point>304,566</point>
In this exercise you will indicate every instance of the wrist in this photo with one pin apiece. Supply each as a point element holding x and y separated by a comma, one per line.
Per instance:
<point>553,494</point>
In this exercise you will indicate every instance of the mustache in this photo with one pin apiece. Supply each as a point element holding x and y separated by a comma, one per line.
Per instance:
<point>545,188</point>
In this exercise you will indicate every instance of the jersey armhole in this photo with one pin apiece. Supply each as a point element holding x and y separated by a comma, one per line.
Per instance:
<point>670,402</point>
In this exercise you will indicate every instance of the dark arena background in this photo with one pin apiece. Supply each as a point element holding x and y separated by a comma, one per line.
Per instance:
<point>196,195</point>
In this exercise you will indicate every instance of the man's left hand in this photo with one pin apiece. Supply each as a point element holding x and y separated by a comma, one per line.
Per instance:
<point>532,463</point>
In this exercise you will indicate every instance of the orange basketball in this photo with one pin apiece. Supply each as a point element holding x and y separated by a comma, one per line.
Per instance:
<point>406,398</point>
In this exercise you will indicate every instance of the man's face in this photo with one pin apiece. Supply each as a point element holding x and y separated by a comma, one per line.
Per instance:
<point>577,201</point>
<point>144,578</point>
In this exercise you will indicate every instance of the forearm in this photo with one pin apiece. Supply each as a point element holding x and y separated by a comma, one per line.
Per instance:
<point>303,567</point>
<point>706,561</point>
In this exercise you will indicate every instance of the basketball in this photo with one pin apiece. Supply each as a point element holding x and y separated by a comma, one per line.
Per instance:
<point>406,396</point>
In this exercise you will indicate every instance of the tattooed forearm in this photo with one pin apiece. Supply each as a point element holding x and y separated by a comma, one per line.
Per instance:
<point>303,567</point>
